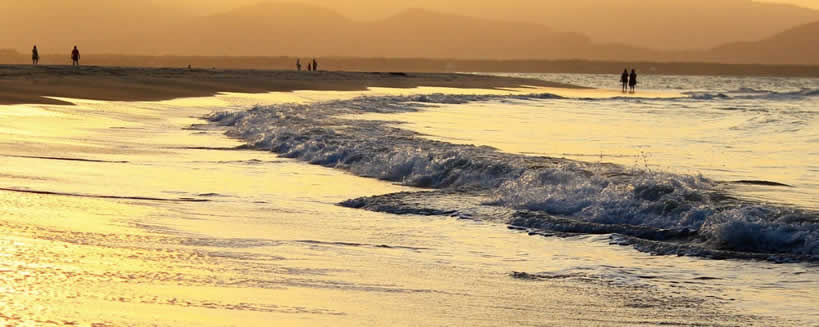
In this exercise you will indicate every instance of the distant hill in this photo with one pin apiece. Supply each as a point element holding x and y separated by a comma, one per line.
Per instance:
<point>653,24</point>
<point>264,29</point>
<point>799,45</point>
<point>279,29</point>
<point>422,33</point>
<point>158,27</point>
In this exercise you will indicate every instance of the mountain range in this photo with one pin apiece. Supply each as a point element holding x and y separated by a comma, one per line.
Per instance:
<point>655,24</point>
<point>798,45</point>
<point>788,36</point>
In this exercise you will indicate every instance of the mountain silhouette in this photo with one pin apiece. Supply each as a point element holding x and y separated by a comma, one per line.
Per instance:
<point>138,27</point>
<point>423,33</point>
<point>799,45</point>
<point>267,29</point>
<point>277,28</point>
<point>655,24</point>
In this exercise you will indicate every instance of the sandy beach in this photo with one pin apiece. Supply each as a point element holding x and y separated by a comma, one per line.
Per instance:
<point>145,213</point>
<point>145,217</point>
<point>21,84</point>
<point>213,163</point>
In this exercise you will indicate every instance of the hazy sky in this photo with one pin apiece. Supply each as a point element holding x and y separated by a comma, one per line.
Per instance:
<point>407,3</point>
<point>211,5</point>
<point>380,7</point>
<point>504,28</point>
<point>656,24</point>
<point>804,3</point>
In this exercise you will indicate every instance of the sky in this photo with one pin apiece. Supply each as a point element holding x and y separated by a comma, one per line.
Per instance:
<point>493,28</point>
<point>222,4</point>
<point>655,24</point>
<point>804,3</point>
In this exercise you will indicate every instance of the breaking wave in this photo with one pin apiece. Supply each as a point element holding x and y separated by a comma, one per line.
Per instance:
<point>683,211</point>
<point>754,94</point>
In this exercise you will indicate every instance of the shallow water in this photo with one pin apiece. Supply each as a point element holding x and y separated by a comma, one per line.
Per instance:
<point>764,129</point>
<point>159,224</point>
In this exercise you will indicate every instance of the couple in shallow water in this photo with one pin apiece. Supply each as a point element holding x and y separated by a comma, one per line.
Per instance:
<point>629,80</point>
<point>75,56</point>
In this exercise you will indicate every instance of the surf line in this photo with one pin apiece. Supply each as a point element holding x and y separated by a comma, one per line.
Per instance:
<point>114,197</point>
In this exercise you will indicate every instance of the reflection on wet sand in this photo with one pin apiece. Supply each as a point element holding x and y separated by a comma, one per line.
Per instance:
<point>270,245</point>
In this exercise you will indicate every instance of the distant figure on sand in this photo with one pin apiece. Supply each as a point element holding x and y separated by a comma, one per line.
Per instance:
<point>35,56</point>
<point>298,64</point>
<point>632,80</point>
<point>624,80</point>
<point>75,57</point>
<point>309,67</point>
<point>315,65</point>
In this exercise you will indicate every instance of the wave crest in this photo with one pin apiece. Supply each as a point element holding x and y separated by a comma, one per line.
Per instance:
<point>639,203</point>
<point>754,94</point>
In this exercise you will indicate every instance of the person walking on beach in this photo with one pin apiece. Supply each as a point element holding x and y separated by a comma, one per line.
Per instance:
<point>75,57</point>
<point>624,80</point>
<point>298,64</point>
<point>35,56</point>
<point>315,65</point>
<point>632,80</point>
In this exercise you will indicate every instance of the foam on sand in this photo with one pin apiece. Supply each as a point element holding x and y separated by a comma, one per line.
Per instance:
<point>546,193</point>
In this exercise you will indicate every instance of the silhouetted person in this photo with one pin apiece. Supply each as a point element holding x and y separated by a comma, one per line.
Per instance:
<point>632,80</point>
<point>624,79</point>
<point>75,57</point>
<point>35,56</point>
<point>315,65</point>
<point>309,67</point>
<point>298,64</point>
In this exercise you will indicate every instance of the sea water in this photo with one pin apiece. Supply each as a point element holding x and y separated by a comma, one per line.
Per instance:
<point>145,214</point>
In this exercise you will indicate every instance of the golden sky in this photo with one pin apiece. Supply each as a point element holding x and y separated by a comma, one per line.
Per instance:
<point>804,3</point>
<point>222,4</point>
<point>222,27</point>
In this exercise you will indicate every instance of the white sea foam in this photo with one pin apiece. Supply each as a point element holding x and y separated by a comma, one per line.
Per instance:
<point>754,94</point>
<point>581,192</point>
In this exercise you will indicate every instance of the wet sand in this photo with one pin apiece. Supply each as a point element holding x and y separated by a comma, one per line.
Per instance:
<point>269,244</point>
<point>21,84</point>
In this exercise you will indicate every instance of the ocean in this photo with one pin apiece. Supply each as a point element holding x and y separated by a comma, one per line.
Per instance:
<point>691,203</point>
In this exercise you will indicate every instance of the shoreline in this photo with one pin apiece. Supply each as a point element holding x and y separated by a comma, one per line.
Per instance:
<point>273,232</point>
<point>27,84</point>
<point>449,65</point>
<point>478,181</point>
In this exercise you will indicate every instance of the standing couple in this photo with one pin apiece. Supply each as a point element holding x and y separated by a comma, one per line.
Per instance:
<point>629,80</point>
<point>311,67</point>
<point>75,56</point>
